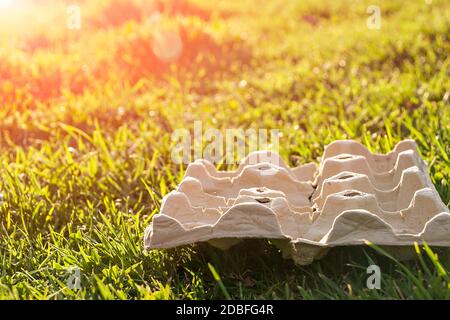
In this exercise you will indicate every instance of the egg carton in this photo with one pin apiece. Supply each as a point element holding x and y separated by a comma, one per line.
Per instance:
<point>354,196</point>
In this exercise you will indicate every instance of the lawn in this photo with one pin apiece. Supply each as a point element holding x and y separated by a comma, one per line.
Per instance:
<point>87,112</point>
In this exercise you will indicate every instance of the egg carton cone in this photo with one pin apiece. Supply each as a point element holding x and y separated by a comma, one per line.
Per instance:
<point>352,197</point>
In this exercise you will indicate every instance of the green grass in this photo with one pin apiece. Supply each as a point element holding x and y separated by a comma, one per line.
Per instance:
<point>81,175</point>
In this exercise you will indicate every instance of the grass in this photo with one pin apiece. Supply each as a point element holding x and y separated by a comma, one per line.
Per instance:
<point>86,118</point>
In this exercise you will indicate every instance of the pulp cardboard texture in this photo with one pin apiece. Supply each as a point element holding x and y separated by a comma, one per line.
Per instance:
<point>354,196</point>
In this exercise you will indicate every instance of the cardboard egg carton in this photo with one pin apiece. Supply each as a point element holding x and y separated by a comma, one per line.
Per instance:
<point>352,197</point>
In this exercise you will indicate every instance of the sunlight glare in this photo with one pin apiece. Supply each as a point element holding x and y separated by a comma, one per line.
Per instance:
<point>167,45</point>
<point>5,3</point>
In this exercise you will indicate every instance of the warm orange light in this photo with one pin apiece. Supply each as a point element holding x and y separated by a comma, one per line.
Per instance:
<point>5,3</point>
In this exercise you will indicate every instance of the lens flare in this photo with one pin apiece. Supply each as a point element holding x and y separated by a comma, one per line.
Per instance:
<point>5,3</point>
<point>167,45</point>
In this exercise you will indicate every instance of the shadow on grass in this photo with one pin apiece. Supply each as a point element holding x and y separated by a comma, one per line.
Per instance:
<point>255,269</point>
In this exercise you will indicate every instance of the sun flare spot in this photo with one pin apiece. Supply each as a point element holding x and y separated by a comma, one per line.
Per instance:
<point>6,3</point>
